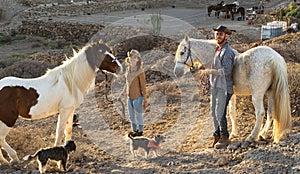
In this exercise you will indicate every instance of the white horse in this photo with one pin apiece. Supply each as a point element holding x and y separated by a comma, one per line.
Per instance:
<point>61,90</point>
<point>257,71</point>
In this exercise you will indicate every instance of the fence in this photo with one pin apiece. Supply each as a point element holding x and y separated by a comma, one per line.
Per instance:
<point>273,29</point>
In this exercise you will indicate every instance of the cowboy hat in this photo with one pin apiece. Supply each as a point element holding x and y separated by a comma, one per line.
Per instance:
<point>223,29</point>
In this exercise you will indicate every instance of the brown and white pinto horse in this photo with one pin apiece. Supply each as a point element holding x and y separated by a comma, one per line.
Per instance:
<point>61,90</point>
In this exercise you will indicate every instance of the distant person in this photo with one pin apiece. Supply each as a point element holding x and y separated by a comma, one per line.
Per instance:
<point>221,86</point>
<point>136,92</point>
<point>261,7</point>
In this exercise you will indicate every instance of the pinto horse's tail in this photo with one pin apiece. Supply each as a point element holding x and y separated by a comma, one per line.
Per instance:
<point>282,108</point>
<point>30,157</point>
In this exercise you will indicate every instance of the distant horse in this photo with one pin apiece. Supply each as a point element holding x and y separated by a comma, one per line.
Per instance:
<point>258,9</point>
<point>61,90</point>
<point>240,10</point>
<point>257,71</point>
<point>216,8</point>
<point>229,10</point>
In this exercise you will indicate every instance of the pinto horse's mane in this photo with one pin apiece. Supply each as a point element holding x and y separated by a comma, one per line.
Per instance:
<point>74,71</point>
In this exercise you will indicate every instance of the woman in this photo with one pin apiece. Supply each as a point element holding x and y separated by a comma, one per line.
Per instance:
<point>136,91</point>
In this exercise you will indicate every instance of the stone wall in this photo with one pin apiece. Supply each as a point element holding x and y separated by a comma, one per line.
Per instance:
<point>33,24</point>
<point>59,30</point>
<point>84,7</point>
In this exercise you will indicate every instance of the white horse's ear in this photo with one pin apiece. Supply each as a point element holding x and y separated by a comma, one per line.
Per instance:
<point>186,37</point>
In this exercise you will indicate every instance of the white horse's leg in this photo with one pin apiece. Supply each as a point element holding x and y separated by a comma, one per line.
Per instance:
<point>4,130</point>
<point>257,100</point>
<point>232,114</point>
<point>63,118</point>
<point>270,112</point>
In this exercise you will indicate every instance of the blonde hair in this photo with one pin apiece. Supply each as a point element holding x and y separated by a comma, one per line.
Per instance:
<point>134,53</point>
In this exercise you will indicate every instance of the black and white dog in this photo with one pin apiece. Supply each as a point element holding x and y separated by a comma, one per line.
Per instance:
<point>59,154</point>
<point>146,144</point>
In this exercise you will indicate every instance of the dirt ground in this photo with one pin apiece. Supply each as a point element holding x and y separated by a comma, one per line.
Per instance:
<point>178,108</point>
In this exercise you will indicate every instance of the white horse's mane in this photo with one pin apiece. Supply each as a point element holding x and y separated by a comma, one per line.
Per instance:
<point>209,46</point>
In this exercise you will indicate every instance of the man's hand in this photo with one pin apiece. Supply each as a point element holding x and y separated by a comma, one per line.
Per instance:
<point>212,71</point>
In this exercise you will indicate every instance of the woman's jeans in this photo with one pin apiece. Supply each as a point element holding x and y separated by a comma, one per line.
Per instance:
<point>135,109</point>
<point>219,102</point>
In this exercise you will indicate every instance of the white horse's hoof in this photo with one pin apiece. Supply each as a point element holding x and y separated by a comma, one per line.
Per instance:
<point>261,138</point>
<point>245,145</point>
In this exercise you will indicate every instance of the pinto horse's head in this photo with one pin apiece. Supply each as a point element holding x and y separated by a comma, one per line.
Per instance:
<point>100,56</point>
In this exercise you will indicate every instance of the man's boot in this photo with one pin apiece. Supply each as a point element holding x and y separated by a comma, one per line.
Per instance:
<point>216,139</point>
<point>223,142</point>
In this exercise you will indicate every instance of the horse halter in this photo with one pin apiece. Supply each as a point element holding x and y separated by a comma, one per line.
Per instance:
<point>114,59</point>
<point>189,56</point>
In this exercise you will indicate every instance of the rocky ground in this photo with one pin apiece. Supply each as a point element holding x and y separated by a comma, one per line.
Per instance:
<point>178,108</point>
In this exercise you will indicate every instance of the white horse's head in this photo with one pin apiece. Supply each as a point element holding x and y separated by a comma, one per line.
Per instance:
<point>193,53</point>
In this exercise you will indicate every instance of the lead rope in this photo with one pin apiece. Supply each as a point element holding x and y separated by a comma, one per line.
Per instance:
<point>205,83</point>
<point>111,101</point>
<point>123,111</point>
<point>106,88</point>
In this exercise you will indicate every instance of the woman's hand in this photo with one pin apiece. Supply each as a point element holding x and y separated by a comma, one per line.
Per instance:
<point>145,103</point>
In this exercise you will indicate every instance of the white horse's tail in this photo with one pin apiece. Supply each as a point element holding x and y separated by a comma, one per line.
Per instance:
<point>282,108</point>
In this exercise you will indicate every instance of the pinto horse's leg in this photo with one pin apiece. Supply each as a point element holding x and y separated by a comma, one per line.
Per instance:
<point>257,100</point>
<point>4,130</point>
<point>69,126</point>
<point>2,158</point>
<point>63,118</point>
<point>232,114</point>
<point>270,112</point>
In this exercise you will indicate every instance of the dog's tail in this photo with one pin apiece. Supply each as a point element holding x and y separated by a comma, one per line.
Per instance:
<point>30,157</point>
<point>130,136</point>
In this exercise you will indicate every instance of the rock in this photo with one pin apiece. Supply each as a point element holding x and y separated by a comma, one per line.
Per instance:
<point>117,171</point>
<point>245,145</point>
<point>234,145</point>
<point>222,161</point>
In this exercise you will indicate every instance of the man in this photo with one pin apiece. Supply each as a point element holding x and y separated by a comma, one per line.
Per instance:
<point>221,85</point>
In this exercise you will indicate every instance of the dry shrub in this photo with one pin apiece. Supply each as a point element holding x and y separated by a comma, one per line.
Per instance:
<point>294,83</point>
